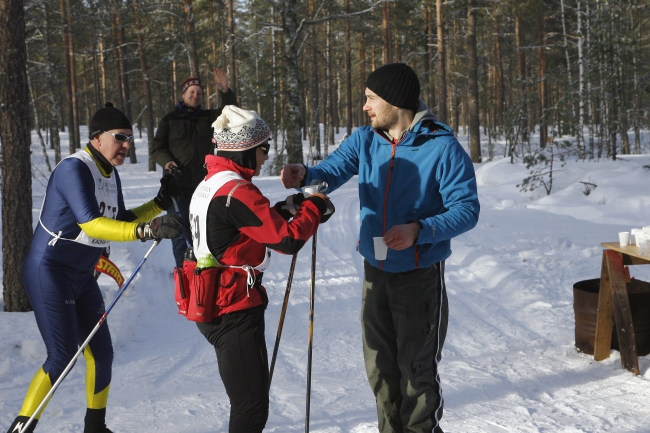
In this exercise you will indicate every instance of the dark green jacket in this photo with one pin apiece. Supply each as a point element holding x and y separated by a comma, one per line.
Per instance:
<point>187,140</point>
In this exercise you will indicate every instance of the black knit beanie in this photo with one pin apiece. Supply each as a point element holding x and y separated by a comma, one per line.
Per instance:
<point>106,119</point>
<point>397,84</point>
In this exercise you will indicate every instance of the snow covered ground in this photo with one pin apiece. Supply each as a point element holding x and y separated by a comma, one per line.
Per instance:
<point>509,364</point>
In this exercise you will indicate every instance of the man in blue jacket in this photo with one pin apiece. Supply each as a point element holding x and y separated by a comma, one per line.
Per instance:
<point>417,190</point>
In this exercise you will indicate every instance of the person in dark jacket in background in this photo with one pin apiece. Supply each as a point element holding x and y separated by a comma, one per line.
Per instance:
<point>235,227</point>
<point>82,212</point>
<point>183,139</point>
<point>417,190</point>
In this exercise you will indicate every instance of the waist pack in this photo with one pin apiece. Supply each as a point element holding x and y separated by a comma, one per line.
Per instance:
<point>201,293</point>
<point>196,291</point>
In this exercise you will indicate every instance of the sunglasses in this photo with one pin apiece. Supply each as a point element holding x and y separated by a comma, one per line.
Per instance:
<point>121,138</point>
<point>265,148</point>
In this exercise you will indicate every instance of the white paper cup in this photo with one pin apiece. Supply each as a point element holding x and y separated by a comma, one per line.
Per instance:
<point>309,190</point>
<point>624,238</point>
<point>644,246</point>
<point>380,248</point>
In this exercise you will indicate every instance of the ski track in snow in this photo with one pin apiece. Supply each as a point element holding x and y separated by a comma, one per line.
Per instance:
<point>508,363</point>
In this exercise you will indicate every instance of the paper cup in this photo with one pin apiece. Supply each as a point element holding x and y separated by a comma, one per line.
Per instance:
<point>644,246</point>
<point>380,248</point>
<point>624,238</point>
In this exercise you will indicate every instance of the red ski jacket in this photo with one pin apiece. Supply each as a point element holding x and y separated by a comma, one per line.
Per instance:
<point>239,234</point>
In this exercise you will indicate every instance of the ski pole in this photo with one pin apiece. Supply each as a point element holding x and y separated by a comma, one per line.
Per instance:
<point>92,333</point>
<point>312,291</point>
<point>282,314</point>
<point>176,173</point>
<point>185,235</point>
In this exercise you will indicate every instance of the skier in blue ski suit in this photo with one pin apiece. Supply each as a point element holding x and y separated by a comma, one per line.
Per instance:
<point>82,212</point>
<point>417,190</point>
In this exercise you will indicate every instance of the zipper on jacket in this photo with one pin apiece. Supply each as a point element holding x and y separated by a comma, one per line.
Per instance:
<point>390,174</point>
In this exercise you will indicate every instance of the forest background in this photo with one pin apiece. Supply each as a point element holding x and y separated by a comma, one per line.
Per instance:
<point>499,69</point>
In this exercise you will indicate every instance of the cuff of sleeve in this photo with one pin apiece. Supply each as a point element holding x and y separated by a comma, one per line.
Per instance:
<point>427,232</point>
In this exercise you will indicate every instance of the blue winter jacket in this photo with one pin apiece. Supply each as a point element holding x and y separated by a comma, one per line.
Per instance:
<point>426,177</point>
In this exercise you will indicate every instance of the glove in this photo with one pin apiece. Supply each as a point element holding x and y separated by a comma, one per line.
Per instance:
<point>324,204</point>
<point>168,189</point>
<point>288,208</point>
<point>162,227</point>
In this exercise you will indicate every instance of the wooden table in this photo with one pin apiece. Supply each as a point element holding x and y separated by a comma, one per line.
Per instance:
<point>614,304</point>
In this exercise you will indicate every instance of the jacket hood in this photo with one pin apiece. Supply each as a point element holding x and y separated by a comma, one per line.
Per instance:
<point>424,117</point>
<point>216,164</point>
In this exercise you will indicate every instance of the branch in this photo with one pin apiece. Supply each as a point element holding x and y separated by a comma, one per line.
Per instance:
<point>333,17</point>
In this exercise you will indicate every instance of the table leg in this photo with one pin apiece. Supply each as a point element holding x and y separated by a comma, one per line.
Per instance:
<point>622,311</point>
<point>605,318</point>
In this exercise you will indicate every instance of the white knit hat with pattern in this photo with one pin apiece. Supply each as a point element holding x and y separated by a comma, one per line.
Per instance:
<point>237,129</point>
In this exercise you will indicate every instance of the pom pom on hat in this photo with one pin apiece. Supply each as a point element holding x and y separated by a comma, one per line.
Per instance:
<point>397,84</point>
<point>193,81</point>
<point>237,129</point>
<point>107,119</point>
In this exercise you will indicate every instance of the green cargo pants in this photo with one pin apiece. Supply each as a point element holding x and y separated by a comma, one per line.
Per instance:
<point>404,319</point>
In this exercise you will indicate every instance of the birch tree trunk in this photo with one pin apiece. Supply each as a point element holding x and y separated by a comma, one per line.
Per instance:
<point>581,85</point>
<point>15,166</point>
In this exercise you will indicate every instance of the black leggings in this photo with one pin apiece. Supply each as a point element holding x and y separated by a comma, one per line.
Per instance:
<point>238,339</point>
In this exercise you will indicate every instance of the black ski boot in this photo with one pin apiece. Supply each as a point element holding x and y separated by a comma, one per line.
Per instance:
<point>18,425</point>
<point>95,421</point>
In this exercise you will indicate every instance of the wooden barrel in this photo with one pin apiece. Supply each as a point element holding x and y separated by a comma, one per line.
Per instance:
<point>585,307</point>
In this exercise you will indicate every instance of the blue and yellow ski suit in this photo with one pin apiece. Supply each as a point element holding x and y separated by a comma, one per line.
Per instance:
<point>58,270</point>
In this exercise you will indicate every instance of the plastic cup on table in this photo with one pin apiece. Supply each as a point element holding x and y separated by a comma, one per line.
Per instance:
<point>624,238</point>
<point>381,250</point>
<point>644,246</point>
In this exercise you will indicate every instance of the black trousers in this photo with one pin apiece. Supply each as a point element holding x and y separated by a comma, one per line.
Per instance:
<point>238,339</point>
<point>404,320</point>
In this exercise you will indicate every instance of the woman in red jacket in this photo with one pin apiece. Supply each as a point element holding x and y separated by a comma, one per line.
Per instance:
<point>234,227</point>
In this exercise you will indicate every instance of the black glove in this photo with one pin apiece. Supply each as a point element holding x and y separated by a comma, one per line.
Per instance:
<point>168,188</point>
<point>288,208</point>
<point>325,206</point>
<point>162,227</point>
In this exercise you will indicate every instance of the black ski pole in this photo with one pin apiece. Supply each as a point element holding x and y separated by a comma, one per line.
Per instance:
<point>185,235</point>
<point>176,173</point>
<point>282,314</point>
<point>312,292</point>
<point>90,336</point>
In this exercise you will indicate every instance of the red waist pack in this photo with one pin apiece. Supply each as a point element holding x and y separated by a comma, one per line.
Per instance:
<point>195,291</point>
